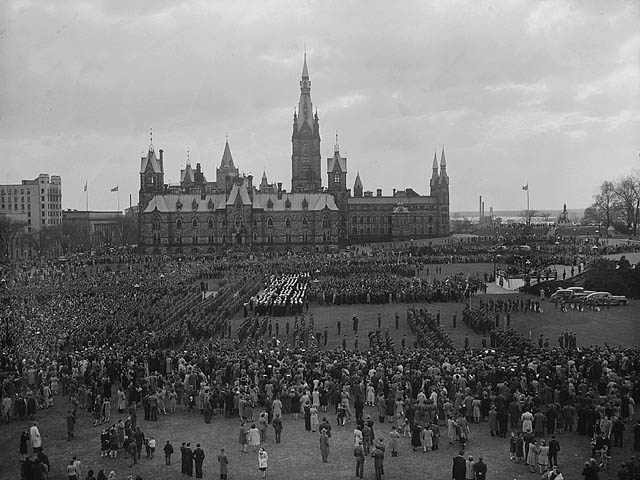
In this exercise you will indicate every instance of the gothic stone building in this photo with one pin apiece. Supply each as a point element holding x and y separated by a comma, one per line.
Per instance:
<point>201,215</point>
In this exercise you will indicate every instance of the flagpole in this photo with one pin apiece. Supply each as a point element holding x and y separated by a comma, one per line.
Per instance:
<point>528,209</point>
<point>118,200</point>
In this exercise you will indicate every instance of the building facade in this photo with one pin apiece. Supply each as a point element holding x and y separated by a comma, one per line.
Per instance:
<point>35,205</point>
<point>202,215</point>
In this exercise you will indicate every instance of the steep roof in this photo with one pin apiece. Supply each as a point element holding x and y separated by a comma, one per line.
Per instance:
<point>169,203</point>
<point>358,182</point>
<point>239,190</point>
<point>187,174</point>
<point>227,159</point>
<point>336,161</point>
<point>315,201</point>
<point>150,160</point>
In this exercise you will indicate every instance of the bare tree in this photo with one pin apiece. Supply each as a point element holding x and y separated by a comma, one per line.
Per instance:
<point>9,230</point>
<point>626,200</point>
<point>605,201</point>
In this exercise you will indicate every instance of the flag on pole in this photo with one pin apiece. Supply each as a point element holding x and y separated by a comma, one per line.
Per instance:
<point>115,189</point>
<point>525,187</point>
<point>85,186</point>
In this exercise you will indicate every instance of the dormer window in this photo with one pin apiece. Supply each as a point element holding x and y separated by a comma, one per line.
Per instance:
<point>194,205</point>
<point>305,204</point>
<point>210,205</point>
<point>178,205</point>
<point>287,204</point>
<point>270,204</point>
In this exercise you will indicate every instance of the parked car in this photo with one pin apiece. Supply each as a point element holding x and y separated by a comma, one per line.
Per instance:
<point>562,294</point>
<point>598,298</point>
<point>619,300</point>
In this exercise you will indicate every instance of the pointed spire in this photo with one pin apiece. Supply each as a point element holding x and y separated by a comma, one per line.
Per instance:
<point>336,147</point>
<point>444,178</point>
<point>358,182</point>
<point>188,158</point>
<point>151,139</point>
<point>227,160</point>
<point>264,176</point>
<point>305,71</point>
<point>435,162</point>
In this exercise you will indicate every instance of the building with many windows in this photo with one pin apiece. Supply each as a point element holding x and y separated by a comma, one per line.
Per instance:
<point>33,204</point>
<point>202,215</point>
<point>37,203</point>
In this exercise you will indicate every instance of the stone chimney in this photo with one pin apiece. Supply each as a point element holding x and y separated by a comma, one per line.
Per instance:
<point>379,192</point>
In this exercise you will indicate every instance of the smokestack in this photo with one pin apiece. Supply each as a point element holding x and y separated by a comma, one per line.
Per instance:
<point>279,190</point>
<point>379,192</point>
<point>483,211</point>
<point>394,192</point>
<point>480,210</point>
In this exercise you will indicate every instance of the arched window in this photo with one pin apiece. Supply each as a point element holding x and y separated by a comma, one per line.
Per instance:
<point>269,222</point>
<point>156,223</point>
<point>210,224</point>
<point>255,237</point>
<point>430,230</point>
<point>179,224</point>
<point>354,230</point>
<point>354,220</point>
<point>238,221</point>
<point>287,223</point>
<point>194,223</point>
<point>305,222</point>
<point>430,219</point>
<point>361,220</point>
<point>325,222</point>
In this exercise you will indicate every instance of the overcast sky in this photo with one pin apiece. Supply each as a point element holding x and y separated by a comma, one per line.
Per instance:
<point>517,91</point>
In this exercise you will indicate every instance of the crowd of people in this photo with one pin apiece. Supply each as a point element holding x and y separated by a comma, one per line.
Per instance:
<point>146,341</point>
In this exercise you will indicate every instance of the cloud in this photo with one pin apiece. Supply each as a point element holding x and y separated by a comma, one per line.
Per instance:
<point>551,16</point>
<point>495,82</point>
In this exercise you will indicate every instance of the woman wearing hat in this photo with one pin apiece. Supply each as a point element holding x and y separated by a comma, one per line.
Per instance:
<point>263,458</point>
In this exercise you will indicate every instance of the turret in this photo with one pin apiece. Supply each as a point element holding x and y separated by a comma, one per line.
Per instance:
<point>434,174</point>
<point>357,187</point>
<point>337,173</point>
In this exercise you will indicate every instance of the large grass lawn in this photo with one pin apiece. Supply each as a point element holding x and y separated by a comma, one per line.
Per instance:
<point>298,456</point>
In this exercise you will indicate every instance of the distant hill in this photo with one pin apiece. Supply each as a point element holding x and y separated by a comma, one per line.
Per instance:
<point>575,214</point>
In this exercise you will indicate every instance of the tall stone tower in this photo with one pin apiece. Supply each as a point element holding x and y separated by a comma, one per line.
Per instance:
<point>443,196</point>
<point>151,177</point>
<point>306,174</point>
<point>337,173</point>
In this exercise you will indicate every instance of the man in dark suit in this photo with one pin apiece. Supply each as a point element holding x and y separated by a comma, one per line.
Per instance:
<point>189,459</point>
<point>480,469</point>
<point>459,469</point>
<point>183,459</point>
<point>198,457</point>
